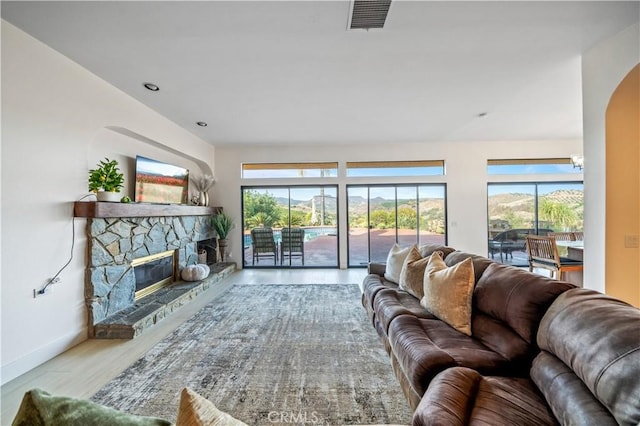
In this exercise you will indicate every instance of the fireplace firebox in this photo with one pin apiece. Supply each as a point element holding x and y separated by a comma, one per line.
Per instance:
<point>154,272</point>
<point>209,246</point>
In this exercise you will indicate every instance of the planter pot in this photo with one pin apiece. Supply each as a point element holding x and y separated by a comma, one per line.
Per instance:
<point>222,245</point>
<point>109,196</point>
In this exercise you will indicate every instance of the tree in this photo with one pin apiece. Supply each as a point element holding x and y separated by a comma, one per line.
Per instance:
<point>407,218</point>
<point>381,219</point>
<point>259,220</point>
<point>560,214</point>
<point>260,209</point>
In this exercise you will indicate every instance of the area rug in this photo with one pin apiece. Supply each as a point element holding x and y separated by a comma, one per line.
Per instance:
<point>270,355</point>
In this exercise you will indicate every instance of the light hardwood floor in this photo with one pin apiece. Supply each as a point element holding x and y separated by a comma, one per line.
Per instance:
<point>84,369</point>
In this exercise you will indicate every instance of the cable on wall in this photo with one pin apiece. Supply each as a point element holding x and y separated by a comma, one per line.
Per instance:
<point>55,278</point>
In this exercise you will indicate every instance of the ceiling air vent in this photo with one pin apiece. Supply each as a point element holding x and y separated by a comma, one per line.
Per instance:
<point>368,14</point>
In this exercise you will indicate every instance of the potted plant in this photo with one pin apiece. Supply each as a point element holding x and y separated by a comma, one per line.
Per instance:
<point>106,180</point>
<point>222,223</point>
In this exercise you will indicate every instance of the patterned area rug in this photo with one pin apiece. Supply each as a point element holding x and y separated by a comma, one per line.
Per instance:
<point>270,355</point>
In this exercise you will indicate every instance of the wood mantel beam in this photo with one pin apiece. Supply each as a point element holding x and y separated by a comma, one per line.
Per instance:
<point>91,209</point>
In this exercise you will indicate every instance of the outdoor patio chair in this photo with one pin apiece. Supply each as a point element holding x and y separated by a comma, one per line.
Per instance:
<point>543,253</point>
<point>263,244</point>
<point>562,236</point>
<point>292,244</point>
<point>505,243</point>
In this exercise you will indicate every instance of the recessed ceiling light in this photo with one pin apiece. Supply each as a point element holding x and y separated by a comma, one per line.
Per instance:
<point>201,124</point>
<point>151,87</point>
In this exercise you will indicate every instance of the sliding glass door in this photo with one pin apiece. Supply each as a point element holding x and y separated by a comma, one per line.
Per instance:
<point>518,209</point>
<point>381,215</point>
<point>290,226</point>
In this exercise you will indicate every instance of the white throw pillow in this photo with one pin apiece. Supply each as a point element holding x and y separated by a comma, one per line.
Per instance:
<point>395,260</point>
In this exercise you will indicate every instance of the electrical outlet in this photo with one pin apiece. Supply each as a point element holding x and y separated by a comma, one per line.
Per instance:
<point>41,292</point>
<point>47,288</point>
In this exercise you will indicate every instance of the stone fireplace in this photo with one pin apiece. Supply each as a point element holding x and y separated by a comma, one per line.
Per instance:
<point>118,242</point>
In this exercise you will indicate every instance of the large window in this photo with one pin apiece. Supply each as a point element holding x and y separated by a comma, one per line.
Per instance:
<point>518,209</point>
<point>532,166</point>
<point>293,226</point>
<point>289,170</point>
<point>395,168</point>
<point>381,215</point>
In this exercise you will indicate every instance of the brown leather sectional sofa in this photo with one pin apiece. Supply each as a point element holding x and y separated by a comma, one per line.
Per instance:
<point>541,351</point>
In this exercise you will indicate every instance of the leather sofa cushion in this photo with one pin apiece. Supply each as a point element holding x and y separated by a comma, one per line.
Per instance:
<point>390,303</point>
<point>497,336</point>
<point>480,263</point>
<point>371,285</point>
<point>516,298</point>
<point>429,248</point>
<point>376,268</point>
<point>598,339</point>
<point>425,347</point>
<point>569,398</point>
<point>460,396</point>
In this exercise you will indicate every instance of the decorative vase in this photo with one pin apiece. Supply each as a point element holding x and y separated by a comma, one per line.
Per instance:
<point>222,245</point>
<point>203,199</point>
<point>109,196</point>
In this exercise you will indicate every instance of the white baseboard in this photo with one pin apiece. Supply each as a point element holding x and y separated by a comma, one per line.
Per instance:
<point>30,361</point>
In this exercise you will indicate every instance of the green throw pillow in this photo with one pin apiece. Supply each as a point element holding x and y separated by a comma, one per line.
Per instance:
<point>38,408</point>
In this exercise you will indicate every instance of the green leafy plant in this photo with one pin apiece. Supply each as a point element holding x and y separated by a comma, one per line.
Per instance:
<point>106,176</point>
<point>222,223</point>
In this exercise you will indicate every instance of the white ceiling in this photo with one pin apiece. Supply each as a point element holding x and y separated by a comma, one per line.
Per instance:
<point>290,72</point>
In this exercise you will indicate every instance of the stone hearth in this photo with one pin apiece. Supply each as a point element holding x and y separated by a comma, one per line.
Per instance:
<point>146,312</point>
<point>110,281</point>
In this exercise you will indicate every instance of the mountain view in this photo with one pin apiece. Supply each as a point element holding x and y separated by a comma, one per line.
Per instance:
<point>559,210</point>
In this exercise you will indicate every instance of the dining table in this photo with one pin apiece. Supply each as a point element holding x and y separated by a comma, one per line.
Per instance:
<point>573,250</point>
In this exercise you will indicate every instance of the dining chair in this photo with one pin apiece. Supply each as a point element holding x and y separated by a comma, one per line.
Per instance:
<point>292,244</point>
<point>543,253</point>
<point>263,244</point>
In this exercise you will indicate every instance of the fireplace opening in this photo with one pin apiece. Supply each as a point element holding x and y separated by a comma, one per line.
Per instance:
<point>207,252</point>
<point>154,272</point>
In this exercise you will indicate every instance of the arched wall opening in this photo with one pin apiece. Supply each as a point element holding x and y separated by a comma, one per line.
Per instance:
<point>622,256</point>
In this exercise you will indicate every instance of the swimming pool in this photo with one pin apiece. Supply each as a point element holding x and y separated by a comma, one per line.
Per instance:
<point>310,233</point>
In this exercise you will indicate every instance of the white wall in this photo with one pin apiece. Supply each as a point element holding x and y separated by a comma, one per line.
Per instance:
<point>603,68</point>
<point>466,178</point>
<point>55,119</point>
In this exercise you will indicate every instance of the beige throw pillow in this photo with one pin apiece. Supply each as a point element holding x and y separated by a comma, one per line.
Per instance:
<point>196,410</point>
<point>395,260</point>
<point>412,274</point>
<point>448,292</point>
